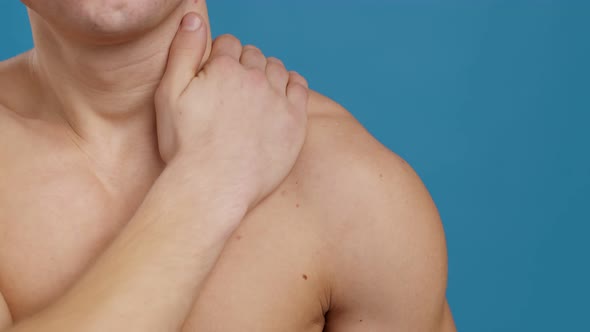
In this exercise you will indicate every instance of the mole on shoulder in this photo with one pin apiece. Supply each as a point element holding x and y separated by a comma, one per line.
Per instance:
<point>360,320</point>
<point>297,205</point>
<point>304,276</point>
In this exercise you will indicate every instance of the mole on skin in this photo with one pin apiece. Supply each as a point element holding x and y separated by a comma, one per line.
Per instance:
<point>304,276</point>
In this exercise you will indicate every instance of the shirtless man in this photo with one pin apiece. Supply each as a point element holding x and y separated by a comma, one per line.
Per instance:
<point>154,180</point>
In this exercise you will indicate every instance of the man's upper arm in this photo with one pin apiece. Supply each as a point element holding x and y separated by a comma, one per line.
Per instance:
<point>390,259</point>
<point>5,317</point>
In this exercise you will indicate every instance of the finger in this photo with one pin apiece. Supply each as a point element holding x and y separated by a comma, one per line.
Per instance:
<point>295,77</point>
<point>297,95</point>
<point>277,74</point>
<point>186,54</point>
<point>226,45</point>
<point>252,57</point>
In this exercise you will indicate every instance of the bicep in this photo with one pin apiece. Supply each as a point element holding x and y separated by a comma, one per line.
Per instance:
<point>5,317</point>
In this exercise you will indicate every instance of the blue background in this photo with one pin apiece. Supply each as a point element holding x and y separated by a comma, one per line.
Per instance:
<point>488,100</point>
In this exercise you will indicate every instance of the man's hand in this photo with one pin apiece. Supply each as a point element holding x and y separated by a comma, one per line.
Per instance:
<point>239,120</point>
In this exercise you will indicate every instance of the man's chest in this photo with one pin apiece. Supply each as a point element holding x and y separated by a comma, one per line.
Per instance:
<point>269,277</point>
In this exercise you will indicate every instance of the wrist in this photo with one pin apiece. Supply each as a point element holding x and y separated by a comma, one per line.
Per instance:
<point>227,180</point>
<point>188,186</point>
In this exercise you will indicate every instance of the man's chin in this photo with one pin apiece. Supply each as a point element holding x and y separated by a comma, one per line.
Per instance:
<point>106,22</point>
<point>111,32</point>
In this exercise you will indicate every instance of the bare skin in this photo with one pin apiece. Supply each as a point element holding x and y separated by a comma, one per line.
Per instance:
<point>349,240</point>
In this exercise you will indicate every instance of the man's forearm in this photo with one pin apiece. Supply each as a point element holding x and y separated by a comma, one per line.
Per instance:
<point>148,279</point>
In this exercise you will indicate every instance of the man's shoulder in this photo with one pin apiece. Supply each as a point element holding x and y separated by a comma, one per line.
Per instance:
<point>20,100</point>
<point>355,183</point>
<point>9,69</point>
<point>15,94</point>
<point>382,234</point>
<point>17,88</point>
<point>341,158</point>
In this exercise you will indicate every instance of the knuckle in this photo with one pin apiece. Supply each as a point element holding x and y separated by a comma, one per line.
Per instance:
<point>297,78</point>
<point>224,62</point>
<point>228,39</point>
<point>256,77</point>
<point>295,89</point>
<point>299,92</point>
<point>294,75</point>
<point>251,53</point>
<point>252,48</point>
<point>275,61</point>
<point>276,68</point>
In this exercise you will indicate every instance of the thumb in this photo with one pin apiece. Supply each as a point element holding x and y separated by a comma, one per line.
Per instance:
<point>186,53</point>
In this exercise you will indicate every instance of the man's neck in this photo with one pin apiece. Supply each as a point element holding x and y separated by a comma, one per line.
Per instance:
<point>105,92</point>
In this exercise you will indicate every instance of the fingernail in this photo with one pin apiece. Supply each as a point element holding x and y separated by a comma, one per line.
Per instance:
<point>191,22</point>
